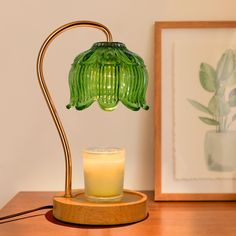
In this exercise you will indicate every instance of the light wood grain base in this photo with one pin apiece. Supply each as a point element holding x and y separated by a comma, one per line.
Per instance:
<point>132,208</point>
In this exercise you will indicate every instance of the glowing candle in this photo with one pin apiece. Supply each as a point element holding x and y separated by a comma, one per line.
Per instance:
<point>104,173</point>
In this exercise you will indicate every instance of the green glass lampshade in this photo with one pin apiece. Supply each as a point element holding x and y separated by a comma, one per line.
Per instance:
<point>108,73</point>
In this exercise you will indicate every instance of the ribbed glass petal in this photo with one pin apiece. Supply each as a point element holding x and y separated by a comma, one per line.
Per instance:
<point>108,73</point>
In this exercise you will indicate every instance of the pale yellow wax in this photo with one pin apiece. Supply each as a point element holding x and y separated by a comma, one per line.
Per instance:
<point>104,172</point>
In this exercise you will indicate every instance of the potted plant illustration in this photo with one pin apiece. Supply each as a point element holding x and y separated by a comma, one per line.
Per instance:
<point>220,143</point>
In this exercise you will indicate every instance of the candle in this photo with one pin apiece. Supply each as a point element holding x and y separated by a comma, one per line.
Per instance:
<point>104,173</point>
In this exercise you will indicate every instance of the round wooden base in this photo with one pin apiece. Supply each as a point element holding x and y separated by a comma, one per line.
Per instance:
<point>132,208</point>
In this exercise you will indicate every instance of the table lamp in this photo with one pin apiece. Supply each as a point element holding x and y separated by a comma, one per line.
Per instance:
<point>107,73</point>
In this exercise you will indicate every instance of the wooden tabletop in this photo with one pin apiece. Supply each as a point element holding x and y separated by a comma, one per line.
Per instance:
<point>165,218</point>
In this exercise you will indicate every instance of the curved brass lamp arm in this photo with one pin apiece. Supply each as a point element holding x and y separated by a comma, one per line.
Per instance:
<point>51,106</point>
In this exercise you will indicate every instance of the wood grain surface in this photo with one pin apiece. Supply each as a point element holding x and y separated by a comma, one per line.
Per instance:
<point>165,218</point>
<point>132,208</point>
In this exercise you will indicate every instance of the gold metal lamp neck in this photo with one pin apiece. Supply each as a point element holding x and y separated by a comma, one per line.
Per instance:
<point>47,96</point>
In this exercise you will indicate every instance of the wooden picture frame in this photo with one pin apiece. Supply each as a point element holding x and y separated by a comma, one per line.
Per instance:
<point>162,161</point>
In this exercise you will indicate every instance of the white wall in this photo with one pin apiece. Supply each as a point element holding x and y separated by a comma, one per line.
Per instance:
<point>31,156</point>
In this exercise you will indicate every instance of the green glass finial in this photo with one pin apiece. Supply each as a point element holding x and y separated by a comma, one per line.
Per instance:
<point>108,73</point>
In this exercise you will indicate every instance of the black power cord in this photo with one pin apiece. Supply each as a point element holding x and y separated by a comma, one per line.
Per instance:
<point>26,212</point>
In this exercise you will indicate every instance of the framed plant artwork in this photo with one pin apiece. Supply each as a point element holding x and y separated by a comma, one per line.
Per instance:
<point>195,111</point>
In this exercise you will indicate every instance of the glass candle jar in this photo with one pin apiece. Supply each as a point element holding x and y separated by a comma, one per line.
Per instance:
<point>104,174</point>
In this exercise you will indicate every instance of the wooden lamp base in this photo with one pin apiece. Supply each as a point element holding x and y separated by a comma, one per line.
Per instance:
<point>132,208</point>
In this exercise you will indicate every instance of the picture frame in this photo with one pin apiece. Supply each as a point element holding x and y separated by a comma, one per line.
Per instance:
<point>184,170</point>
